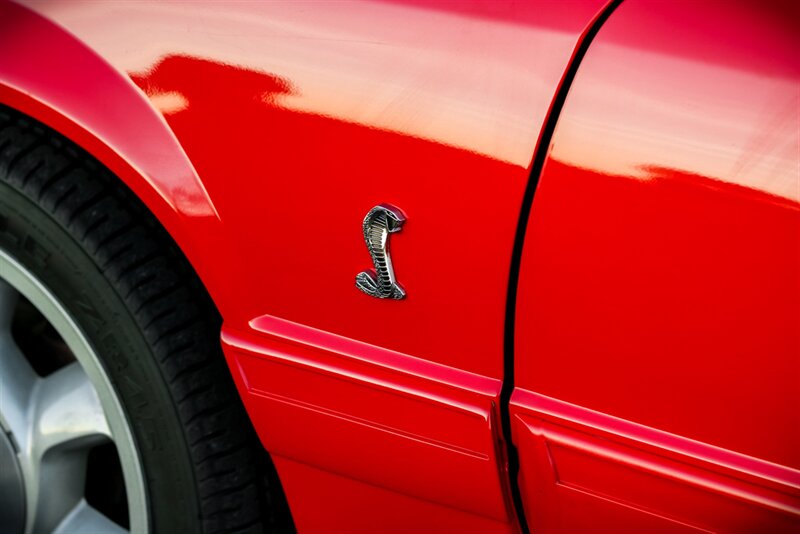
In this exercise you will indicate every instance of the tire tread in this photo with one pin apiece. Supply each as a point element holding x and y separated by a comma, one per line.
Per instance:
<point>169,304</point>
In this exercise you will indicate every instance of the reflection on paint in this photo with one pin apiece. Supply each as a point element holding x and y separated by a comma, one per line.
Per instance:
<point>465,76</point>
<point>721,110</point>
<point>168,103</point>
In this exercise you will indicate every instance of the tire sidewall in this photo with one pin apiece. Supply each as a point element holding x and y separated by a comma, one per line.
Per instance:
<point>48,250</point>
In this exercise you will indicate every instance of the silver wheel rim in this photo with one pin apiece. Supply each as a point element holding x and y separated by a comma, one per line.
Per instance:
<point>54,421</point>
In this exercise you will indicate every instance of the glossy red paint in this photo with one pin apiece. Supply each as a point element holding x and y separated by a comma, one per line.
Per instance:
<point>659,302</point>
<point>346,106</point>
<point>410,426</point>
<point>658,314</point>
<point>368,508</point>
<point>296,122</point>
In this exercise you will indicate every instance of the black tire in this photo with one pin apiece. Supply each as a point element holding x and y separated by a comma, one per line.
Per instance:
<point>129,288</point>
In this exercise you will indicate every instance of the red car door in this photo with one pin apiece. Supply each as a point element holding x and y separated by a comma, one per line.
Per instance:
<point>657,329</point>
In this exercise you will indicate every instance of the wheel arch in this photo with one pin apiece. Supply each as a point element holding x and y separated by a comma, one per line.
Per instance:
<point>54,78</point>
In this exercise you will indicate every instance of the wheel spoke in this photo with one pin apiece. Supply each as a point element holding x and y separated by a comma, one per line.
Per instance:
<point>84,518</point>
<point>54,486</point>
<point>17,378</point>
<point>68,411</point>
<point>17,382</point>
<point>67,421</point>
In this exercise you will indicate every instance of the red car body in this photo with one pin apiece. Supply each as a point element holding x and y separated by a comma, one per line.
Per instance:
<point>602,251</point>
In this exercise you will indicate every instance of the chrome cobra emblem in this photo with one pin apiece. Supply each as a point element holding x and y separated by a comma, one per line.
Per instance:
<point>378,224</point>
